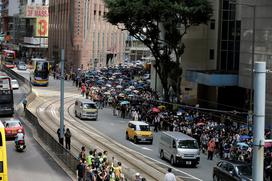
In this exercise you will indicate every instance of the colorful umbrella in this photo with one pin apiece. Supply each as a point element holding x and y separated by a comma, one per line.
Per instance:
<point>155,109</point>
<point>124,102</point>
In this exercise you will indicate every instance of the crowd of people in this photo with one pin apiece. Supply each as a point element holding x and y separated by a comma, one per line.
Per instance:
<point>128,93</point>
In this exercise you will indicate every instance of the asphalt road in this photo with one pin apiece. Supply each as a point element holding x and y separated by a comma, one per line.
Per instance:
<point>33,164</point>
<point>115,127</point>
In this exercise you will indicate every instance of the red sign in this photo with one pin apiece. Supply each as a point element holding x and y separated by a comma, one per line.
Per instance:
<point>37,11</point>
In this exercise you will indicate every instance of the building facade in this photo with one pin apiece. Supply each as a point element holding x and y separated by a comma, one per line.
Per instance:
<point>263,46</point>
<point>25,24</point>
<point>78,27</point>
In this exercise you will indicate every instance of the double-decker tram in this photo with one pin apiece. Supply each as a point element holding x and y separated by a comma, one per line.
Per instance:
<point>39,74</point>
<point>6,96</point>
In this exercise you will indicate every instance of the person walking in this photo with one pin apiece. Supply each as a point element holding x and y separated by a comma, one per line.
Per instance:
<point>80,171</point>
<point>169,176</point>
<point>83,89</point>
<point>68,136</point>
<point>211,148</point>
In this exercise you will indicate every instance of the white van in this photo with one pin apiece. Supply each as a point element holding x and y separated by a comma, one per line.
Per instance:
<point>179,148</point>
<point>86,109</point>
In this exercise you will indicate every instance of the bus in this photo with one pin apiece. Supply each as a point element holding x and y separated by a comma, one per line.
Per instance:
<point>3,154</point>
<point>6,96</point>
<point>9,57</point>
<point>39,74</point>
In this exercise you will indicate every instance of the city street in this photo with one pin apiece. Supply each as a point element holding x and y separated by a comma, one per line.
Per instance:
<point>114,127</point>
<point>34,163</point>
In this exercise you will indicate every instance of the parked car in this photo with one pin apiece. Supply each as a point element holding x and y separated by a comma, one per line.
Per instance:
<point>12,127</point>
<point>21,66</point>
<point>14,84</point>
<point>232,171</point>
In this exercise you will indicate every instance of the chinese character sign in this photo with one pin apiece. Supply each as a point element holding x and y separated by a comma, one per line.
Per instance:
<point>41,28</point>
<point>36,11</point>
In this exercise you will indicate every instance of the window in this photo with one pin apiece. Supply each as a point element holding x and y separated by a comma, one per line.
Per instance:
<point>43,2</point>
<point>33,1</point>
<point>212,24</point>
<point>211,54</point>
<point>1,141</point>
<point>174,144</point>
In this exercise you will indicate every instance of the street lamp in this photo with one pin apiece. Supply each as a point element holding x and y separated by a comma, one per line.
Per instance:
<point>253,6</point>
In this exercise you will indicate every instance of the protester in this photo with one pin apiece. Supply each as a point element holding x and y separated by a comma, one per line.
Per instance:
<point>169,176</point>
<point>211,148</point>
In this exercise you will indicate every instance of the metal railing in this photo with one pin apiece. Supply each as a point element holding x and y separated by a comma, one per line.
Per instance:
<point>55,148</point>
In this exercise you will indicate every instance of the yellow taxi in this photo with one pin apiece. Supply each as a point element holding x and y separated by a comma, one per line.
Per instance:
<point>139,131</point>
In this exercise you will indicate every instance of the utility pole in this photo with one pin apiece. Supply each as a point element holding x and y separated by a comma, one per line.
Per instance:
<point>62,96</point>
<point>259,120</point>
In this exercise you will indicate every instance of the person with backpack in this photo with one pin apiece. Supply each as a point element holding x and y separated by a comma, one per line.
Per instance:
<point>68,136</point>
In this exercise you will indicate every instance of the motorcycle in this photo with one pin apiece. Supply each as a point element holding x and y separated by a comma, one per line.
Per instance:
<point>20,146</point>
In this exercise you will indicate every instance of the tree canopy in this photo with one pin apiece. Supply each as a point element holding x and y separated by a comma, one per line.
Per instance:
<point>160,25</point>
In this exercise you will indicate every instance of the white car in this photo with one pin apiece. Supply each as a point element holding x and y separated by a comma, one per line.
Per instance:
<point>14,84</point>
<point>21,66</point>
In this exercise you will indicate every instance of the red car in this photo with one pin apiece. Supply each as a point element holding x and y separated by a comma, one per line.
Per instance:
<point>12,126</point>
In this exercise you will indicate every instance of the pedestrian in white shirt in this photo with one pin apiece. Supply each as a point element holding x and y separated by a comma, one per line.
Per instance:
<point>169,176</point>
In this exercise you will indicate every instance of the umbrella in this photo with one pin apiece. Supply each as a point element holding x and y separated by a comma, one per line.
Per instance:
<point>131,87</point>
<point>268,144</point>
<point>128,90</point>
<point>119,87</point>
<point>161,107</point>
<point>121,95</point>
<point>136,91</point>
<point>124,102</point>
<point>245,137</point>
<point>107,93</point>
<point>131,95</point>
<point>242,145</point>
<point>200,124</point>
<point>108,85</point>
<point>155,109</point>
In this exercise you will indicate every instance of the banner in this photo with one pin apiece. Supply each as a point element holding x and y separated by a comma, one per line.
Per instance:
<point>36,11</point>
<point>41,28</point>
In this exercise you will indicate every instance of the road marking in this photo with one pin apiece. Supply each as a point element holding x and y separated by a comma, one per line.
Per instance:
<point>173,168</point>
<point>41,109</point>
<point>145,148</point>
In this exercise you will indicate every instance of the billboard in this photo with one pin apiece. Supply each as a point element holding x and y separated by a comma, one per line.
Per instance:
<point>36,11</point>
<point>41,27</point>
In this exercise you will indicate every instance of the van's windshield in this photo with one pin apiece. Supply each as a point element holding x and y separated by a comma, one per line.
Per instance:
<point>188,144</point>
<point>143,128</point>
<point>89,106</point>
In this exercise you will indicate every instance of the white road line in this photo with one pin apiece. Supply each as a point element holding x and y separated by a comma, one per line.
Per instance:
<point>173,168</point>
<point>145,148</point>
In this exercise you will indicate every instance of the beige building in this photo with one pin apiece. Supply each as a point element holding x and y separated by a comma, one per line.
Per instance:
<point>88,40</point>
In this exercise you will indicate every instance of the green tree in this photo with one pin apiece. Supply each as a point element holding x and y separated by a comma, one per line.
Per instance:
<point>160,25</point>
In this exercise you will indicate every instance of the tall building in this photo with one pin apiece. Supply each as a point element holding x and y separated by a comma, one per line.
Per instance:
<point>79,28</point>
<point>26,23</point>
<point>263,46</point>
<point>32,27</point>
